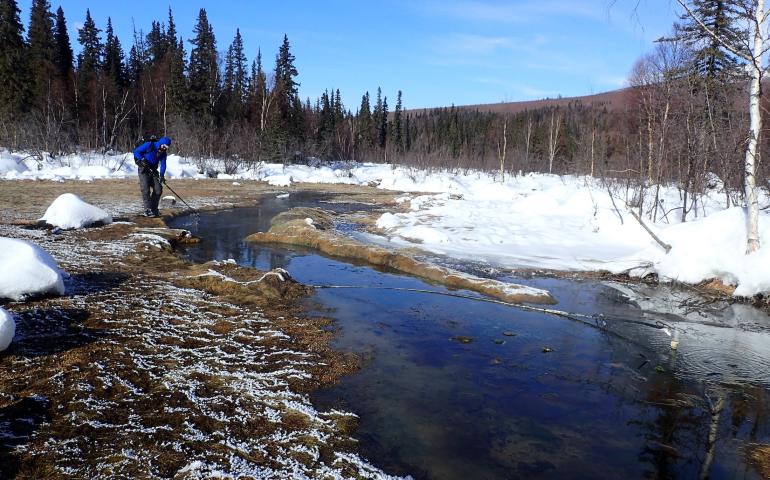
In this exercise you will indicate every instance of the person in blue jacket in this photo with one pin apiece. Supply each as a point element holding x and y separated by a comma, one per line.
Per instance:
<point>149,157</point>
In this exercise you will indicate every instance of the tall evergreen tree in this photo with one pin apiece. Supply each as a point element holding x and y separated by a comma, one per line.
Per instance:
<point>114,59</point>
<point>377,117</point>
<point>157,42</point>
<point>177,83</point>
<point>135,64</point>
<point>90,57</point>
<point>397,122</point>
<point>711,59</point>
<point>235,78</point>
<point>339,108</point>
<point>14,93</point>
<point>63,56</point>
<point>364,137</point>
<point>171,34</point>
<point>203,68</point>
<point>383,127</point>
<point>407,137</point>
<point>286,87</point>
<point>41,51</point>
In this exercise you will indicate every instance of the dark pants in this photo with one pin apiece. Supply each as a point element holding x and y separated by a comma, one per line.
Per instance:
<point>149,184</point>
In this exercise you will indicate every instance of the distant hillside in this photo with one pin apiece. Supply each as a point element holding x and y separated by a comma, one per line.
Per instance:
<point>613,100</point>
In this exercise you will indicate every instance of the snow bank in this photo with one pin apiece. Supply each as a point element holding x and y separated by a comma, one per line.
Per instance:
<point>571,223</point>
<point>711,247</point>
<point>11,164</point>
<point>7,329</point>
<point>70,211</point>
<point>86,166</point>
<point>26,269</point>
<point>529,221</point>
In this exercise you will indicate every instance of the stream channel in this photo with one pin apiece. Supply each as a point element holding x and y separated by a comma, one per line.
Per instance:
<point>457,388</point>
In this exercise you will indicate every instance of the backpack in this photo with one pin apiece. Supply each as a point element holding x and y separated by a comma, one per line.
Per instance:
<point>149,137</point>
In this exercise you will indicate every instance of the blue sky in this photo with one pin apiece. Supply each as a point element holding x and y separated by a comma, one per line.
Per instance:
<point>437,52</point>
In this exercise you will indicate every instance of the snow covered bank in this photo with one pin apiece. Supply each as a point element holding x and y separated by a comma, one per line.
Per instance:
<point>69,211</point>
<point>529,221</point>
<point>26,269</point>
<point>84,166</point>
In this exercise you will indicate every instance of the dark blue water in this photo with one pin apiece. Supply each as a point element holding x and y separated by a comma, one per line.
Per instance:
<point>461,389</point>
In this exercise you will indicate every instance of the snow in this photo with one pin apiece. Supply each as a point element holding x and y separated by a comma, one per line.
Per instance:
<point>535,221</point>
<point>69,211</point>
<point>7,329</point>
<point>26,269</point>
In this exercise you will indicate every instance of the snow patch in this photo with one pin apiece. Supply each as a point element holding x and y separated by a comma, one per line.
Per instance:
<point>26,269</point>
<point>69,211</point>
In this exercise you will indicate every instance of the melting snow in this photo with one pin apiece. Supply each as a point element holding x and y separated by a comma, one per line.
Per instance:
<point>26,269</point>
<point>69,211</point>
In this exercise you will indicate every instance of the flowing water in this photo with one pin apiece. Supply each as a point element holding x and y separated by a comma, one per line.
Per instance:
<point>456,388</point>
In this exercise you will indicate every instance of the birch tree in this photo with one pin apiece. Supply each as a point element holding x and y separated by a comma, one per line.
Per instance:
<point>751,48</point>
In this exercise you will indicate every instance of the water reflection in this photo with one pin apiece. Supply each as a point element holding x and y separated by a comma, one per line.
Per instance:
<point>457,389</point>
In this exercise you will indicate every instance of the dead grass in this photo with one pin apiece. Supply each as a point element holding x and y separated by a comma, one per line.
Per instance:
<point>148,364</point>
<point>759,456</point>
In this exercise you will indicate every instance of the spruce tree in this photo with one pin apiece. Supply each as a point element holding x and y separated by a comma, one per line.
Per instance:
<point>408,139</point>
<point>711,59</point>
<point>177,82</point>
<point>89,65</point>
<point>377,117</point>
<point>171,30</point>
<point>157,42</point>
<point>235,78</point>
<point>90,58</point>
<point>62,56</point>
<point>364,137</point>
<point>203,68</point>
<point>114,64</point>
<point>177,86</point>
<point>14,93</point>
<point>286,85</point>
<point>339,108</point>
<point>397,121</point>
<point>135,64</point>
<point>41,51</point>
<point>383,127</point>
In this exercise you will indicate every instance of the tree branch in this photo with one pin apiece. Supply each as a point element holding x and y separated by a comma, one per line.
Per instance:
<point>705,28</point>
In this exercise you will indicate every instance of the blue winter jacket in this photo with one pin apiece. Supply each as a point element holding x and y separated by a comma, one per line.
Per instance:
<point>148,151</point>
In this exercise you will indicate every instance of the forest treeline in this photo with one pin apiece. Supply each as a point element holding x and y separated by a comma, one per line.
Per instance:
<point>684,119</point>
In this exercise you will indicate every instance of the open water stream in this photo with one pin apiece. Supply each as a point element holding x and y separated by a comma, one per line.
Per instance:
<point>456,388</point>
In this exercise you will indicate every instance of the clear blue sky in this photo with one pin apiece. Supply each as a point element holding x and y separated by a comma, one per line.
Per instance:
<point>439,52</point>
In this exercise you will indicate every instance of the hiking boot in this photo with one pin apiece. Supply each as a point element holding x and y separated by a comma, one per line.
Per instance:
<point>148,213</point>
<point>155,213</point>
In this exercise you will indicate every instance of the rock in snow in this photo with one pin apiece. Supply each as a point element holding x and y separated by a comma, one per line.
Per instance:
<point>70,211</point>
<point>7,329</point>
<point>26,269</point>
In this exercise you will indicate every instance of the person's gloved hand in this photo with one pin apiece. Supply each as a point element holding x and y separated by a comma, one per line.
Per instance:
<point>137,160</point>
<point>162,179</point>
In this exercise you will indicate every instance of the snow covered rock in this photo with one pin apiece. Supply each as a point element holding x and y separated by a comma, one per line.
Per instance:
<point>70,211</point>
<point>26,269</point>
<point>7,329</point>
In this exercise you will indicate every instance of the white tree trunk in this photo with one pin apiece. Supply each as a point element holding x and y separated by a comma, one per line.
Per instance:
<point>755,126</point>
<point>553,139</point>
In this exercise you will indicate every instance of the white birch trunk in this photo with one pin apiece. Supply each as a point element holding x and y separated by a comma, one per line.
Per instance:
<point>755,126</point>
